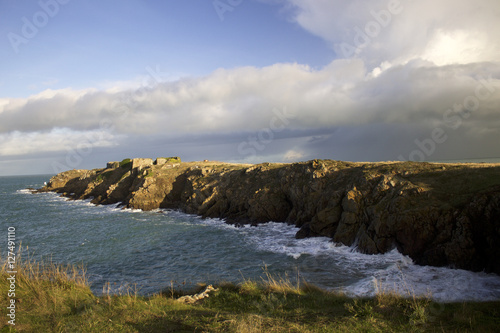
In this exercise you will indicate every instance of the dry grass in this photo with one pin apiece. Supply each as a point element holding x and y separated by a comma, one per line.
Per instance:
<point>55,298</point>
<point>33,274</point>
<point>280,284</point>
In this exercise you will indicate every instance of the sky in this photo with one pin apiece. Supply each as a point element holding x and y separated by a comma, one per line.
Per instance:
<point>248,81</point>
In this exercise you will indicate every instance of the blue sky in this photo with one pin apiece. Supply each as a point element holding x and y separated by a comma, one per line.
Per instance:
<point>93,43</point>
<point>86,82</point>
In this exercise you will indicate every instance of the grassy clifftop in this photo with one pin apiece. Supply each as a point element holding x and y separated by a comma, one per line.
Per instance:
<point>52,298</point>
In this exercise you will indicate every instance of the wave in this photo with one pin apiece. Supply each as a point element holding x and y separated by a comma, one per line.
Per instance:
<point>438,283</point>
<point>389,272</point>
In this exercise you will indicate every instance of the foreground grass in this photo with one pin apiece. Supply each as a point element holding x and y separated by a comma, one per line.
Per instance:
<point>53,298</point>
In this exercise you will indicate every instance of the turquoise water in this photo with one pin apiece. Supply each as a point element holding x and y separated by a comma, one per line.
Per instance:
<point>152,250</point>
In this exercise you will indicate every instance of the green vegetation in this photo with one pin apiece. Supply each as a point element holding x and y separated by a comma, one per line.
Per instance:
<point>103,175</point>
<point>173,159</point>
<point>150,173</point>
<point>450,185</point>
<point>54,298</point>
<point>125,163</point>
<point>458,184</point>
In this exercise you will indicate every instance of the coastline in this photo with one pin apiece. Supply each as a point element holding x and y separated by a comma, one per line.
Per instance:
<point>438,214</point>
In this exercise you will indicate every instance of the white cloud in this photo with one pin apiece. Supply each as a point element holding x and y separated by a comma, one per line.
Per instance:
<point>457,47</point>
<point>444,32</point>
<point>344,93</point>
<point>293,155</point>
<point>58,139</point>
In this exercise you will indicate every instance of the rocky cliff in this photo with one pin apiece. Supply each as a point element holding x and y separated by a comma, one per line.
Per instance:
<point>438,214</point>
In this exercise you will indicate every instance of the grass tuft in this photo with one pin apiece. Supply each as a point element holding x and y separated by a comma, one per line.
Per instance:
<point>280,284</point>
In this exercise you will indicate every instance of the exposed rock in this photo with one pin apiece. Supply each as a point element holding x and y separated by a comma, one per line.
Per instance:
<point>141,163</point>
<point>437,214</point>
<point>160,161</point>
<point>112,165</point>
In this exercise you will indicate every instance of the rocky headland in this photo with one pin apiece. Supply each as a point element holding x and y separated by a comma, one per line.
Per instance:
<point>438,214</point>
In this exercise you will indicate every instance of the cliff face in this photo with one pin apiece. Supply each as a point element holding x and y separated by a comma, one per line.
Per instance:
<point>438,214</point>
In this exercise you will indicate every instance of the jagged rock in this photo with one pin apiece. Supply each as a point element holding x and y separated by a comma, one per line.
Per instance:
<point>437,214</point>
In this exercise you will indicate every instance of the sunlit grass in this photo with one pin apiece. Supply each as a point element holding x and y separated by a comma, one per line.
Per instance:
<point>57,298</point>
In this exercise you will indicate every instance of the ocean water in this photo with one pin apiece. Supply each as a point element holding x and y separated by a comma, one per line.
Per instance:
<point>150,251</point>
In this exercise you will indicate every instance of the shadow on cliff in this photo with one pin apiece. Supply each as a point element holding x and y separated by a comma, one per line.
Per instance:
<point>458,186</point>
<point>76,186</point>
<point>102,193</point>
<point>173,200</point>
<point>470,199</point>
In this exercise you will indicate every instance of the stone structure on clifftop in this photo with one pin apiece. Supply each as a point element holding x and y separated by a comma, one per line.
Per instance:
<point>112,165</point>
<point>141,163</point>
<point>164,160</point>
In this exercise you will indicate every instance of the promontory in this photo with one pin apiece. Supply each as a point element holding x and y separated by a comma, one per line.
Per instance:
<point>438,214</point>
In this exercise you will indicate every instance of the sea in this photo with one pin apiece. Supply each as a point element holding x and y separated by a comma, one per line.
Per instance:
<point>126,250</point>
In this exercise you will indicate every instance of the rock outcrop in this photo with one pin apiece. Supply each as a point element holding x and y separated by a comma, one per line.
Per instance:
<point>438,214</point>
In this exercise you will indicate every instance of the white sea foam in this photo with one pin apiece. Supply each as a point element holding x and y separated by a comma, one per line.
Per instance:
<point>440,283</point>
<point>23,191</point>
<point>384,272</point>
<point>280,238</point>
<point>130,210</point>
